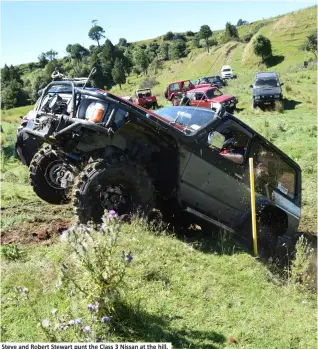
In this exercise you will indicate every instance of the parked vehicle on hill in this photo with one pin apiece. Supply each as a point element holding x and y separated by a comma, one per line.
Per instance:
<point>146,99</point>
<point>176,90</point>
<point>208,96</point>
<point>214,80</point>
<point>181,160</point>
<point>128,98</point>
<point>226,72</point>
<point>267,90</point>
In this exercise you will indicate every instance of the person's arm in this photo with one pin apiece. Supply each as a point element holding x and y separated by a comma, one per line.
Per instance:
<point>237,158</point>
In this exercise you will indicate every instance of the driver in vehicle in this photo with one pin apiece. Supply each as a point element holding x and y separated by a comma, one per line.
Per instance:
<point>231,151</point>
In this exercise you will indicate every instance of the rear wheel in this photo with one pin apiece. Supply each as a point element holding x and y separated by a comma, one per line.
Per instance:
<point>267,238</point>
<point>115,183</point>
<point>50,177</point>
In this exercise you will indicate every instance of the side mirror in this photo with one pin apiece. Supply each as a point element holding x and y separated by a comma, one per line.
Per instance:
<point>281,84</point>
<point>251,86</point>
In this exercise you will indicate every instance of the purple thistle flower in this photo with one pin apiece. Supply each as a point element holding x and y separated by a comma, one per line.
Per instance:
<point>129,257</point>
<point>105,319</point>
<point>112,212</point>
<point>110,216</point>
<point>78,321</point>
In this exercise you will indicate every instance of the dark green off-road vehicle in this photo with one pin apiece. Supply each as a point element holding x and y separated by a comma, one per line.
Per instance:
<point>104,152</point>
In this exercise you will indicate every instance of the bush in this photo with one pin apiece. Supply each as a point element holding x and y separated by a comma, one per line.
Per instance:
<point>149,83</point>
<point>12,252</point>
<point>94,269</point>
<point>247,38</point>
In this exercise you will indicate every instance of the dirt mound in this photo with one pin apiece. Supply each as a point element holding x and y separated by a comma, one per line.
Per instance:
<point>34,232</point>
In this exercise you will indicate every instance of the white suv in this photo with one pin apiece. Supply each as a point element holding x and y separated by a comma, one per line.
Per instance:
<point>226,72</point>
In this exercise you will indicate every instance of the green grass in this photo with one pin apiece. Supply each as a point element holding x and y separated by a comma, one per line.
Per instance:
<point>182,291</point>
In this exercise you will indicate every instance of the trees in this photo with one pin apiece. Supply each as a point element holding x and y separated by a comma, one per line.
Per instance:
<point>118,72</point>
<point>231,31</point>
<point>205,32</point>
<point>241,22</point>
<point>262,47</point>
<point>96,32</point>
<point>196,40</point>
<point>77,51</point>
<point>51,54</point>
<point>310,44</point>
<point>42,60</point>
<point>141,60</point>
<point>122,42</point>
<point>13,95</point>
<point>164,51</point>
<point>177,49</point>
<point>168,36</point>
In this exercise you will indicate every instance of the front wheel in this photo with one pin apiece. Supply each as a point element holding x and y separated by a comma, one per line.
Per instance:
<point>50,177</point>
<point>115,183</point>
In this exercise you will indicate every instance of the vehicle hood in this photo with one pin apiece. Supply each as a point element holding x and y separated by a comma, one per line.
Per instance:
<point>267,91</point>
<point>222,98</point>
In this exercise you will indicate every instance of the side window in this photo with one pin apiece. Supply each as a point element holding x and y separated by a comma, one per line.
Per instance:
<point>230,142</point>
<point>272,172</point>
<point>286,179</point>
<point>216,140</point>
<point>120,118</point>
<point>217,93</point>
<point>190,95</point>
<point>174,87</point>
<point>199,96</point>
<point>186,84</point>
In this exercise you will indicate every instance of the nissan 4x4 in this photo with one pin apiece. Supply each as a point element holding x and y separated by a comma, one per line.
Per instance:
<point>117,155</point>
<point>267,90</point>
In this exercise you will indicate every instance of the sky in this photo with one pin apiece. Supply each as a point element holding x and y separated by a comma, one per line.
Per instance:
<point>29,28</point>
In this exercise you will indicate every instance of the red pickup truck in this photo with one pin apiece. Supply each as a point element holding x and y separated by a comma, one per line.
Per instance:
<point>206,96</point>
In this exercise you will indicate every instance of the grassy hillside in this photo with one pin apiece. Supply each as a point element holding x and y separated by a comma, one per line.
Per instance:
<point>194,289</point>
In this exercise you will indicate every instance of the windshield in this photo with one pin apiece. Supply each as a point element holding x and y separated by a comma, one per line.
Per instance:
<point>226,70</point>
<point>213,93</point>
<point>192,118</point>
<point>266,83</point>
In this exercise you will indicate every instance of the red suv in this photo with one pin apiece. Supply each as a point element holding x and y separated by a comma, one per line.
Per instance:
<point>205,96</point>
<point>176,89</point>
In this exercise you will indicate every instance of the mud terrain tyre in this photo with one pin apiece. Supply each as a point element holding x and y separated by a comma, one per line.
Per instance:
<point>116,183</point>
<point>42,179</point>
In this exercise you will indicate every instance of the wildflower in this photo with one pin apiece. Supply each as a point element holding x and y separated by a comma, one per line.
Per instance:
<point>78,321</point>
<point>110,216</point>
<point>71,322</point>
<point>54,311</point>
<point>129,257</point>
<point>105,319</point>
<point>45,323</point>
<point>86,328</point>
<point>112,212</point>
<point>90,307</point>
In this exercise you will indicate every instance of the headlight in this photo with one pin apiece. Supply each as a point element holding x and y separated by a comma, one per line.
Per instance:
<point>257,97</point>
<point>95,112</point>
<point>277,96</point>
